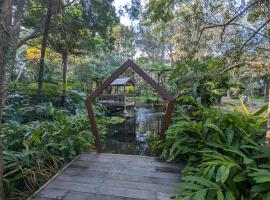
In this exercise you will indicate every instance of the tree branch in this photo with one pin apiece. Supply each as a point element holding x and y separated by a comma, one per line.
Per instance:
<point>255,33</point>
<point>33,35</point>
<point>255,64</point>
<point>228,22</point>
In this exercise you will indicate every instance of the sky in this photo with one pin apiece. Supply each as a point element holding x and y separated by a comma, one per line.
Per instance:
<point>118,5</point>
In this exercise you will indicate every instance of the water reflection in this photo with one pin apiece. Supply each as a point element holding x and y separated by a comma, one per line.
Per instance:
<point>132,136</point>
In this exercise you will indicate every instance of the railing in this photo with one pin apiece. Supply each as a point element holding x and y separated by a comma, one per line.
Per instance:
<point>116,97</point>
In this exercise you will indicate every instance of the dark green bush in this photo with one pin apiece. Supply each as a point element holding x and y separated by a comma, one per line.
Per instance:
<point>35,151</point>
<point>225,153</point>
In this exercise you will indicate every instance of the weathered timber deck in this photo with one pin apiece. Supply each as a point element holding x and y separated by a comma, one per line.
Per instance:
<point>105,176</point>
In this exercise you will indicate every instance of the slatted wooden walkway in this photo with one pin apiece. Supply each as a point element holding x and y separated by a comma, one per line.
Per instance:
<point>103,176</point>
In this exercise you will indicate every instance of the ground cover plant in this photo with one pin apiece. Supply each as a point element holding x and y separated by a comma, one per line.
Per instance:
<point>35,151</point>
<point>225,152</point>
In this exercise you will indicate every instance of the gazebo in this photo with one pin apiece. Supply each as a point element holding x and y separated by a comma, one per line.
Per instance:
<point>112,80</point>
<point>118,97</point>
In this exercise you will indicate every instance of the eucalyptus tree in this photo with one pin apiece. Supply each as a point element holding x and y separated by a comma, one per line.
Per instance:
<point>238,32</point>
<point>76,28</point>
<point>52,6</point>
<point>124,42</point>
<point>11,13</point>
<point>5,11</point>
<point>235,31</point>
<point>80,30</point>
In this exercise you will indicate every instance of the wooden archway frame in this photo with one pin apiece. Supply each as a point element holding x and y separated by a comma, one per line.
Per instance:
<point>161,91</point>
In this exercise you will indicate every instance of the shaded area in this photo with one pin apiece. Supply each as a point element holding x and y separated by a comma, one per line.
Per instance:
<point>132,136</point>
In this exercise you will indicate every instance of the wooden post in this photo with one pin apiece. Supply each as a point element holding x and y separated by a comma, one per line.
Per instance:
<point>161,91</point>
<point>167,119</point>
<point>125,107</point>
<point>94,128</point>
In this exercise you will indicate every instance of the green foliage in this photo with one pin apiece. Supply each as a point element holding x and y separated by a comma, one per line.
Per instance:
<point>210,90</point>
<point>22,94</point>
<point>116,120</point>
<point>225,153</point>
<point>35,151</point>
<point>41,139</point>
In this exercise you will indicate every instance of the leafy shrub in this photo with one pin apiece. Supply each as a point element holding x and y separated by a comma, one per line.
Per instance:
<point>20,101</point>
<point>225,153</point>
<point>209,90</point>
<point>33,152</point>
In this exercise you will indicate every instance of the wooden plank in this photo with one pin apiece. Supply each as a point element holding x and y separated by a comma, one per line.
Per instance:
<point>78,187</point>
<point>152,186</point>
<point>85,173</point>
<point>86,165</point>
<point>144,179</point>
<point>80,179</point>
<point>128,159</point>
<point>93,196</point>
<point>119,176</point>
<point>127,192</point>
<point>113,177</point>
<point>128,172</point>
<point>52,193</point>
<point>140,186</point>
<point>102,189</point>
<point>164,196</point>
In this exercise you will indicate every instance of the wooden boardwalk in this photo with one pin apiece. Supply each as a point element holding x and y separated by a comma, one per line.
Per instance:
<point>105,176</point>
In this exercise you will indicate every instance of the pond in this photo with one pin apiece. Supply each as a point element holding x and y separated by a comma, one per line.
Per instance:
<point>132,136</point>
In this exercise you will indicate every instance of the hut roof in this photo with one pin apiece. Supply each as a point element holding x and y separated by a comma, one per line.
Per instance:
<point>122,81</point>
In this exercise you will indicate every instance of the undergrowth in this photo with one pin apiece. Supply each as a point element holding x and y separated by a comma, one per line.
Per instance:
<point>225,152</point>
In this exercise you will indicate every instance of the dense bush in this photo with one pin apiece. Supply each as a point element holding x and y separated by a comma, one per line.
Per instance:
<point>225,153</point>
<point>184,80</point>
<point>35,151</point>
<point>20,101</point>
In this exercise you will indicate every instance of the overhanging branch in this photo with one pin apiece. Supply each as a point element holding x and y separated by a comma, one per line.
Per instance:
<point>228,22</point>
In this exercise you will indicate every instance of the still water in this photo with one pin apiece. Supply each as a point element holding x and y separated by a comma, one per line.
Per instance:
<point>132,136</point>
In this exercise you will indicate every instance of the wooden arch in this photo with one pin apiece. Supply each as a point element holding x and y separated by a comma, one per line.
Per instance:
<point>161,91</point>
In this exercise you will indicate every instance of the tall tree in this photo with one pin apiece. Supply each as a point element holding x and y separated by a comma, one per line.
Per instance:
<point>45,34</point>
<point>79,30</point>
<point>5,18</point>
<point>15,33</point>
<point>10,23</point>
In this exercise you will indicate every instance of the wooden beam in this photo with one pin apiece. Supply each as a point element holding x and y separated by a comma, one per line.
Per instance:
<point>161,91</point>
<point>167,119</point>
<point>94,128</point>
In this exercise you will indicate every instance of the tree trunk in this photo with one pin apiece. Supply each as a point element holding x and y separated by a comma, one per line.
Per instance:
<point>268,124</point>
<point>14,37</point>
<point>266,90</point>
<point>43,50</point>
<point>5,26</point>
<point>2,195</point>
<point>64,60</point>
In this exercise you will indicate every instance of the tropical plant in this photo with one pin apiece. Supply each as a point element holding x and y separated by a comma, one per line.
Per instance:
<point>35,151</point>
<point>225,152</point>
